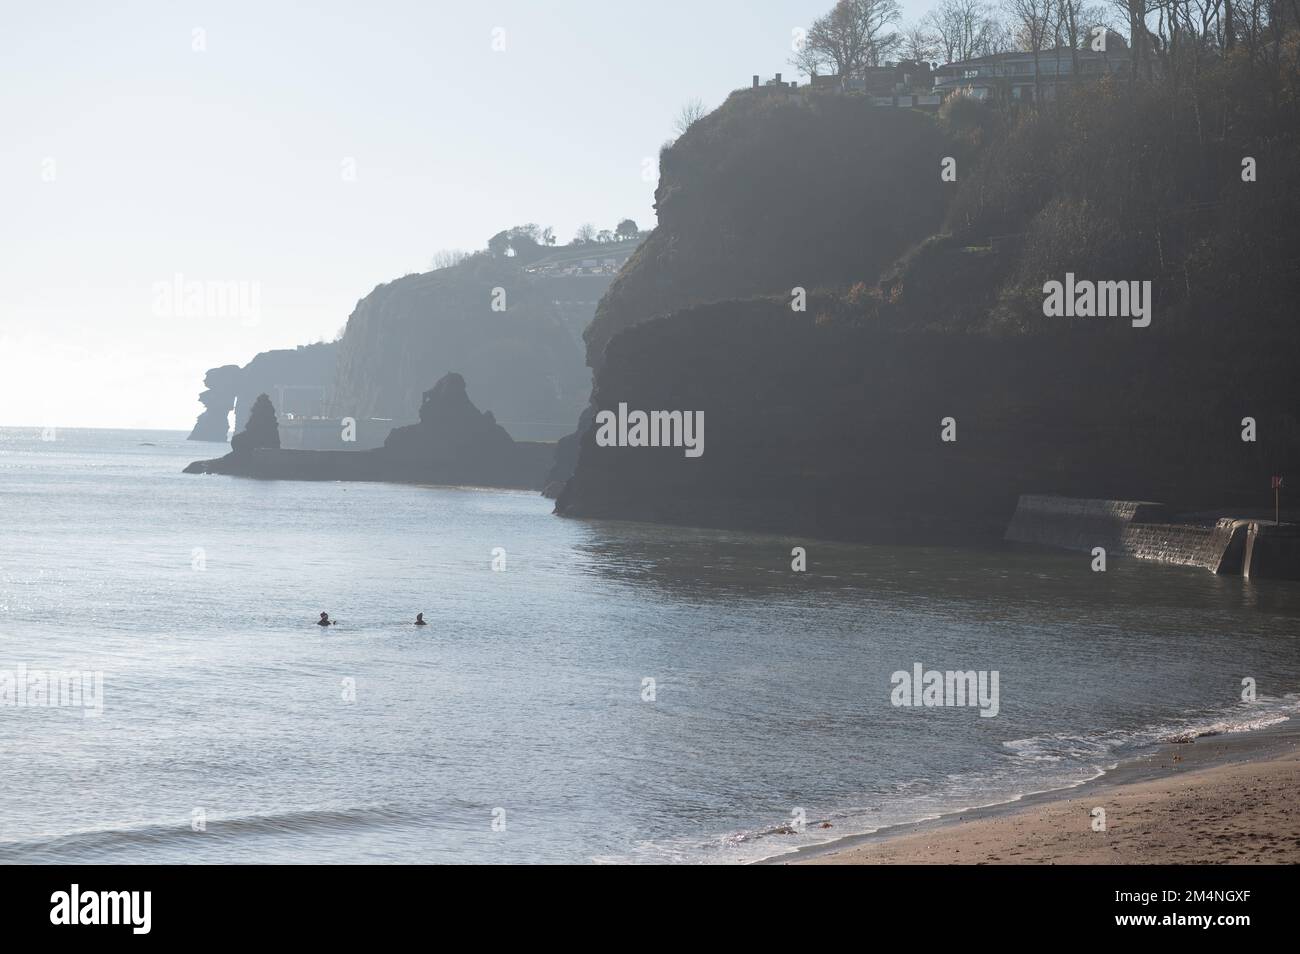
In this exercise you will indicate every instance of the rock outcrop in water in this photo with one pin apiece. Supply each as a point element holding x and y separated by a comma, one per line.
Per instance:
<point>262,431</point>
<point>222,388</point>
<point>453,443</point>
<point>462,445</point>
<point>304,373</point>
<point>512,324</point>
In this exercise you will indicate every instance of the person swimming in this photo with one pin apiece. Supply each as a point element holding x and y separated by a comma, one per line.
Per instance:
<point>419,620</point>
<point>324,620</point>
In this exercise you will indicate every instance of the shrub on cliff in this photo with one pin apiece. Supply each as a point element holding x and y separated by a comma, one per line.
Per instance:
<point>1133,184</point>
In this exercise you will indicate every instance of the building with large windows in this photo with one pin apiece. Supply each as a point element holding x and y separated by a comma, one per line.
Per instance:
<point>1011,76</point>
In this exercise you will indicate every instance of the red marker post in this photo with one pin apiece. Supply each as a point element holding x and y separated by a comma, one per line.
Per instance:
<point>1277,487</point>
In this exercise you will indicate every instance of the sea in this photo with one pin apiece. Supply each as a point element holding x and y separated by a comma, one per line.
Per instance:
<point>585,691</point>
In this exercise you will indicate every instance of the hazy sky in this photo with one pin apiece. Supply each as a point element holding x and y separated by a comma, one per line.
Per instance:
<point>309,151</point>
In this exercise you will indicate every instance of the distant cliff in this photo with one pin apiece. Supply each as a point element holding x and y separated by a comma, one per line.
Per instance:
<point>513,333</point>
<point>453,443</point>
<point>305,372</point>
<point>218,399</point>
<point>513,327</point>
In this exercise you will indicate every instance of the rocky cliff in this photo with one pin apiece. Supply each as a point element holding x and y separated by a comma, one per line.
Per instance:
<point>262,431</point>
<point>769,193</point>
<point>831,422</point>
<point>513,334</point>
<point>514,330</point>
<point>773,191</point>
<point>453,443</point>
<point>304,373</point>
<point>835,429</point>
<point>221,387</point>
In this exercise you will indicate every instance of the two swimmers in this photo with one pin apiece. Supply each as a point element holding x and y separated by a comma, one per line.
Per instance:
<point>326,621</point>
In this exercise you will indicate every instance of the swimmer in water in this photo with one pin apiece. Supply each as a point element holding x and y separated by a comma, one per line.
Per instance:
<point>324,620</point>
<point>419,620</point>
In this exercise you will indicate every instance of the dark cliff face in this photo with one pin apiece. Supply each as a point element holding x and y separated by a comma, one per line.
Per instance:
<point>305,372</point>
<point>525,361</point>
<point>834,429</point>
<point>829,423</point>
<point>770,192</point>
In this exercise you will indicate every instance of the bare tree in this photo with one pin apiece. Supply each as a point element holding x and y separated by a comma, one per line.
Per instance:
<point>1136,13</point>
<point>1074,22</point>
<point>691,112</point>
<point>879,17</point>
<point>447,257</point>
<point>836,39</point>
<point>919,43</point>
<point>965,29</point>
<point>585,235</point>
<point>1033,22</point>
<point>998,39</point>
<point>854,35</point>
<point>810,60</point>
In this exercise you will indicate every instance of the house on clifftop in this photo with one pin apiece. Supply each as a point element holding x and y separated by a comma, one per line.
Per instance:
<point>1010,76</point>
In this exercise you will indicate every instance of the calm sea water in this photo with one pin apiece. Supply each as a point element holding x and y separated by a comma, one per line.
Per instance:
<point>523,703</point>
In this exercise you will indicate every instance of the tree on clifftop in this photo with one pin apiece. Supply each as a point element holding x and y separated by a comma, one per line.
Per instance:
<point>691,112</point>
<point>854,35</point>
<point>523,243</point>
<point>965,29</point>
<point>262,430</point>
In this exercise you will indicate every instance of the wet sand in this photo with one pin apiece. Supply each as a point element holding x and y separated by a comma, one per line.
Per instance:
<point>1230,799</point>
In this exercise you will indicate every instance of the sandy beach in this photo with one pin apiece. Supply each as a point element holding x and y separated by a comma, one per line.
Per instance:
<point>1230,799</point>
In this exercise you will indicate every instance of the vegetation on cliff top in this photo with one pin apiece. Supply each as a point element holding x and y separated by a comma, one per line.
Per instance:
<point>1118,179</point>
<point>826,422</point>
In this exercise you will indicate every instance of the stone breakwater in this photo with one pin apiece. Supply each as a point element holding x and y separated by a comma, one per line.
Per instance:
<point>1145,530</point>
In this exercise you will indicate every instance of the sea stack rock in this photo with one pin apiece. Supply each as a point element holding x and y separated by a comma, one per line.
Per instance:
<point>262,431</point>
<point>307,371</point>
<point>452,433</point>
<point>454,444</point>
<point>222,387</point>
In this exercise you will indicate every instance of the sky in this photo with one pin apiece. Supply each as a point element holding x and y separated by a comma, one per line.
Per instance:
<point>283,158</point>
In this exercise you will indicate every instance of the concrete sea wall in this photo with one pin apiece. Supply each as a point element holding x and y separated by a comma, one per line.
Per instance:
<point>1143,529</point>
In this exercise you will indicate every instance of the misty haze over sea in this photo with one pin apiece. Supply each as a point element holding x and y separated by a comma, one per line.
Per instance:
<point>375,741</point>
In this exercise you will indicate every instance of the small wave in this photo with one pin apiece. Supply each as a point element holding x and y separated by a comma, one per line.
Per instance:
<point>99,842</point>
<point>1038,764</point>
<point>1244,717</point>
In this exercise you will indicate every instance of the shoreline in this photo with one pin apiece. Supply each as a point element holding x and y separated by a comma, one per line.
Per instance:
<point>1219,799</point>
